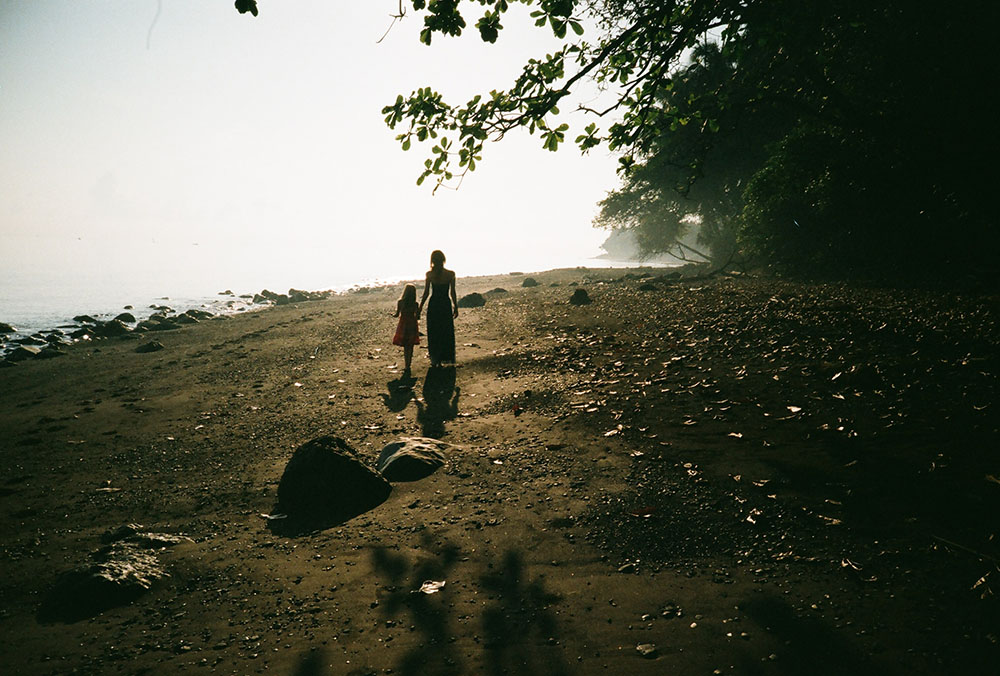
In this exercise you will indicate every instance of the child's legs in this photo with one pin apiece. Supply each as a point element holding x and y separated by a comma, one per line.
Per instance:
<point>408,354</point>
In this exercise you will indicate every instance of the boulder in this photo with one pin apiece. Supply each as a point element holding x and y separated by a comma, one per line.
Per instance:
<point>30,340</point>
<point>117,574</point>
<point>472,300</point>
<point>151,346</point>
<point>83,333</point>
<point>185,319</point>
<point>498,290</point>
<point>49,352</point>
<point>84,319</point>
<point>412,458</point>
<point>126,317</point>
<point>6,328</point>
<point>580,297</point>
<point>22,352</point>
<point>227,292</point>
<point>127,307</point>
<point>529,282</point>
<point>156,323</point>
<point>647,287</point>
<point>324,484</point>
<point>198,314</point>
<point>112,328</point>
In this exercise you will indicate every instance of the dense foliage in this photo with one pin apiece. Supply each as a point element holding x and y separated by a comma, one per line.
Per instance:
<point>817,137</point>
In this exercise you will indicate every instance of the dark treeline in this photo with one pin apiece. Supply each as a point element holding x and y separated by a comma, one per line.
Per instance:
<point>827,139</point>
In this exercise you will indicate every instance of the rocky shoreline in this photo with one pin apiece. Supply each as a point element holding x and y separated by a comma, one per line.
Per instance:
<point>667,475</point>
<point>17,346</point>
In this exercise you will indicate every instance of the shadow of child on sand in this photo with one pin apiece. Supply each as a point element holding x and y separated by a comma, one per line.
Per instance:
<point>400,393</point>
<point>440,401</point>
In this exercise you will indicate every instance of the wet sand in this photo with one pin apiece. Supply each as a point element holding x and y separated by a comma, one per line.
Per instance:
<point>741,476</point>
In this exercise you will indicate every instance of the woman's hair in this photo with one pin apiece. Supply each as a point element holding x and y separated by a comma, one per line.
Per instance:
<point>437,258</point>
<point>409,296</point>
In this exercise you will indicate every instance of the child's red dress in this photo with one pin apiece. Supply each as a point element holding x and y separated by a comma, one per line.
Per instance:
<point>407,332</point>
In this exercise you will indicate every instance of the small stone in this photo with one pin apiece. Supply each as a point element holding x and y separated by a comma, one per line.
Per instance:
<point>647,650</point>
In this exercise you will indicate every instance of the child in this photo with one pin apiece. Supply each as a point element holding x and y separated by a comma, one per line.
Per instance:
<point>407,333</point>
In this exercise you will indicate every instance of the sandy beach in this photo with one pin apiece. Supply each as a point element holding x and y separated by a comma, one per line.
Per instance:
<point>686,476</point>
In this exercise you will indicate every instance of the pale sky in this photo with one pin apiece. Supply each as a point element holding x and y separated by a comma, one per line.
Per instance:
<point>265,136</point>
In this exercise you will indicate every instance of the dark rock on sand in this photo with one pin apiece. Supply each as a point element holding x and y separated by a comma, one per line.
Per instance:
<point>22,352</point>
<point>126,317</point>
<point>30,340</point>
<point>49,352</point>
<point>151,346</point>
<point>112,328</point>
<point>156,323</point>
<point>198,314</point>
<point>325,484</point>
<point>529,282</point>
<point>647,287</point>
<point>412,458</point>
<point>6,328</point>
<point>117,574</point>
<point>580,297</point>
<point>498,290</point>
<point>84,319</point>
<point>83,333</point>
<point>185,319</point>
<point>472,300</point>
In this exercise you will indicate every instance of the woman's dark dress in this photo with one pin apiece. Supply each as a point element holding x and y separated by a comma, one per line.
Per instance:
<point>440,325</point>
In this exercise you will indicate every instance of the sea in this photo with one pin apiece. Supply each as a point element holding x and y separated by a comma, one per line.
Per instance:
<point>79,279</point>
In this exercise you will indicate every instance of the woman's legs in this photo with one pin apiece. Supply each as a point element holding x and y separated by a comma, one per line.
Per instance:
<point>408,355</point>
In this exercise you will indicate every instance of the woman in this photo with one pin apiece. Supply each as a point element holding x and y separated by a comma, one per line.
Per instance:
<point>441,311</point>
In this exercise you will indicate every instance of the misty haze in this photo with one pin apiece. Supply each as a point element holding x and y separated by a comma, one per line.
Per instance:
<point>536,337</point>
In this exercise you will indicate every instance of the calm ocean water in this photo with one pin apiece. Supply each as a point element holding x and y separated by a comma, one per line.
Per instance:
<point>42,292</point>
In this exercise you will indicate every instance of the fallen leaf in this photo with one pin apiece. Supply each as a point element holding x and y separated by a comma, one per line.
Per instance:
<point>431,586</point>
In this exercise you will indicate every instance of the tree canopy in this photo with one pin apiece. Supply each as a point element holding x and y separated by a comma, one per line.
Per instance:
<point>808,135</point>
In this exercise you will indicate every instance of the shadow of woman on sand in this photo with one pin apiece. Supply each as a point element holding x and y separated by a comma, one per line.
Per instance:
<point>440,400</point>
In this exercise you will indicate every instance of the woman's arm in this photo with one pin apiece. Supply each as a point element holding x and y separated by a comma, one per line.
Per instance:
<point>454,296</point>
<point>399,304</point>
<point>427,290</point>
